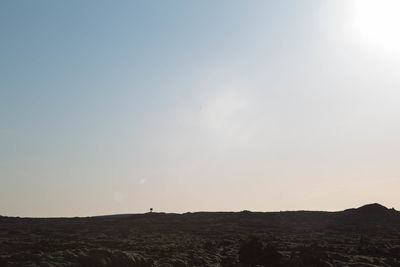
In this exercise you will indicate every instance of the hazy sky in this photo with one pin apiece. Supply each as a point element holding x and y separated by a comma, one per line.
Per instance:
<point>118,106</point>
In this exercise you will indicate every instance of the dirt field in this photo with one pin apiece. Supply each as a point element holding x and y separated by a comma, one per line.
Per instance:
<point>367,236</point>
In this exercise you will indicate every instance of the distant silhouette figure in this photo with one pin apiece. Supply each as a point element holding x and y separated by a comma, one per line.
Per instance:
<point>151,210</point>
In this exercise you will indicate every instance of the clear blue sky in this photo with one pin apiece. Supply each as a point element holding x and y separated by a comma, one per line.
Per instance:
<point>119,106</point>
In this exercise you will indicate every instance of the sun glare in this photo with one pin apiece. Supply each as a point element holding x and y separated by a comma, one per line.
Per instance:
<point>378,22</point>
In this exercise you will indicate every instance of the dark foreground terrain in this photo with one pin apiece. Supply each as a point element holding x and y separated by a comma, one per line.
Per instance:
<point>367,236</point>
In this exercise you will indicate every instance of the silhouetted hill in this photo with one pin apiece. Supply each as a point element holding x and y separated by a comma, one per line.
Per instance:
<point>372,209</point>
<point>371,216</point>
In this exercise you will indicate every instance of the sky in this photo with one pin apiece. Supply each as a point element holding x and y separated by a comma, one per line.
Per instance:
<point>113,107</point>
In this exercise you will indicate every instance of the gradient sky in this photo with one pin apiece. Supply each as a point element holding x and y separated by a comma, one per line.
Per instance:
<point>118,106</point>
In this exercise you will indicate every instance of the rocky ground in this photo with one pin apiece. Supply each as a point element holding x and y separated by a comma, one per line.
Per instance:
<point>367,236</point>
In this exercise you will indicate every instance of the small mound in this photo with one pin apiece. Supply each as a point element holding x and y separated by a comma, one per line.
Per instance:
<point>374,208</point>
